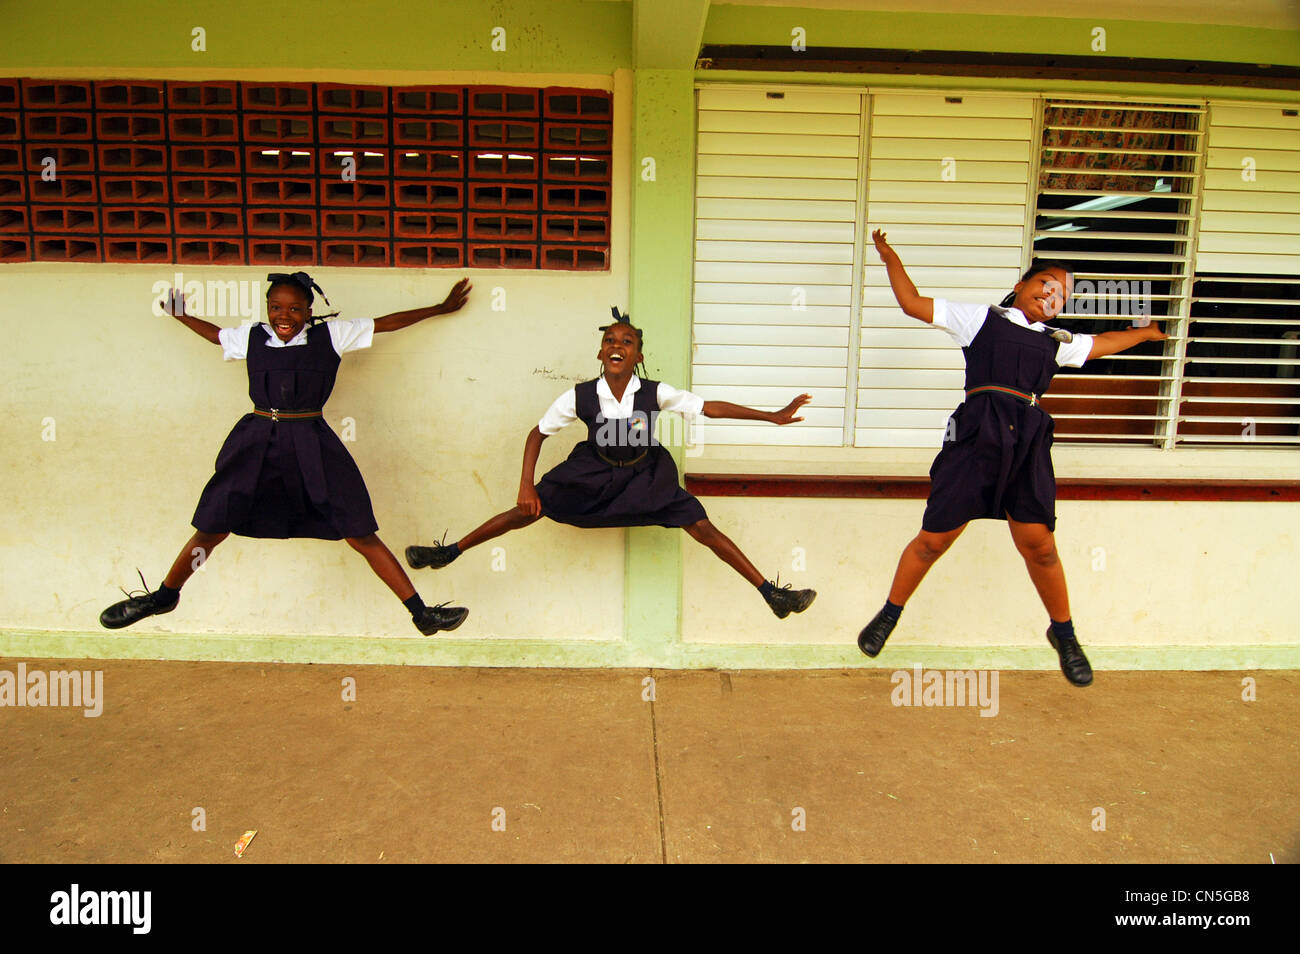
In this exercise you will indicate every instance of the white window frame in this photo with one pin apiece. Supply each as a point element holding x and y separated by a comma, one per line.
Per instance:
<point>1080,461</point>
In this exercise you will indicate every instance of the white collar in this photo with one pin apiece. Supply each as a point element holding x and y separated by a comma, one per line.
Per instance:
<point>602,388</point>
<point>275,342</point>
<point>1013,313</point>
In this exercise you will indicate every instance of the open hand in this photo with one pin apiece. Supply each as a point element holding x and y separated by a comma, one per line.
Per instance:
<point>882,246</point>
<point>173,303</point>
<point>786,414</point>
<point>457,297</point>
<point>1154,333</point>
<point>529,502</point>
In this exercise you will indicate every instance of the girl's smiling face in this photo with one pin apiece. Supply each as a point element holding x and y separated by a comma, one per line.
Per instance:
<point>287,310</point>
<point>1042,295</point>
<point>620,350</point>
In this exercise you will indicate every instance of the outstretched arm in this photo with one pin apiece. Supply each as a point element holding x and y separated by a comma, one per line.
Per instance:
<point>1113,342</point>
<point>454,301</point>
<point>741,413</point>
<point>908,299</point>
<point>528,498</point>
<point>174,305</point>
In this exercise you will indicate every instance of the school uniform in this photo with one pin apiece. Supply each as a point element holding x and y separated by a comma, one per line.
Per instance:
<point>619,476</point>
<point>996,458</point>
<point>283,472</point>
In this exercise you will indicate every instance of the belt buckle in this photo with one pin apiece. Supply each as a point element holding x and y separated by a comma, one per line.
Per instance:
<point>275,414</point>
<point>1033,400</point>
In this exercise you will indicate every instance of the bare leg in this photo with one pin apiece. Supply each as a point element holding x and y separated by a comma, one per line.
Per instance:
<point>915,563</point>
<point>384,564</point>
<point>1038,547</point>
<point>191,557</point>
<point>717,541</point>
<point>513,519</point>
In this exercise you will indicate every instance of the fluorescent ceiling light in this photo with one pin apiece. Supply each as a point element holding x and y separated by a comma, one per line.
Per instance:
<point>1107,202</point>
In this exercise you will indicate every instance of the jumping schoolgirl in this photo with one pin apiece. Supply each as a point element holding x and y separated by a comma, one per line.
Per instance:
<point>283,472</point>
<point>620,476</point>
<point>996,459</point>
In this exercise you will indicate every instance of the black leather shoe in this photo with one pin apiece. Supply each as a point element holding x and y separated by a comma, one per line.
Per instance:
<point>872,638</point>
<point>436,556</point>
<point>439,617</point>
<point>1073,662</point>
<point>135,607</point>
<point>786,601</point>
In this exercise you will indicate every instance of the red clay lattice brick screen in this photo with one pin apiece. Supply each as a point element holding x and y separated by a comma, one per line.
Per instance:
<point>288,174</point>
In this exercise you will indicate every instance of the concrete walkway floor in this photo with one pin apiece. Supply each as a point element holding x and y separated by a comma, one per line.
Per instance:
<point>527,765</point>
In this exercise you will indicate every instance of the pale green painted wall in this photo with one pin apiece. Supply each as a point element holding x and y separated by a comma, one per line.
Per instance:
<point>663,225</point>
<point>542,35</point>
<point>571,36</point>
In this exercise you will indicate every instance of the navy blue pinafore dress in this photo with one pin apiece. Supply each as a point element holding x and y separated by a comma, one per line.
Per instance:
<point>619,476</point>
<point>287,478</point>
<point>997,454</point>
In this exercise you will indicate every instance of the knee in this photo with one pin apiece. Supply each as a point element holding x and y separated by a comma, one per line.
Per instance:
<point>522,518</point>
<point>209,540</point>
<point>1041,552</point>
<point>929,546</point>
<point>702,530</point>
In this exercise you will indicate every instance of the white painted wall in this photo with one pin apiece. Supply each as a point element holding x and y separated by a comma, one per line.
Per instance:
<point>1169,574</point>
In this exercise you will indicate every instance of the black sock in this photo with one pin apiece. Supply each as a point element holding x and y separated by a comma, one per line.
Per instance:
<point>415,605</point>
<point>767,588</point>
<point>891,611</point>
<point>1063,630</point>
<point>166,595</point>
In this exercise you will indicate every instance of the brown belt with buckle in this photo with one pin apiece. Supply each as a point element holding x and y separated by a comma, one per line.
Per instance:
<point>1030,399</point>
<point>623,463</point>
<point>276,414</point>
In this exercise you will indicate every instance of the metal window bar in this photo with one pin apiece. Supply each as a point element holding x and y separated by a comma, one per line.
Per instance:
<point>1242,388</point>
<point>1120,207</point>
<point>1240,374</point>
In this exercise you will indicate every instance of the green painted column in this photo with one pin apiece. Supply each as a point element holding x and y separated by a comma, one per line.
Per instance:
<point>663,207</point>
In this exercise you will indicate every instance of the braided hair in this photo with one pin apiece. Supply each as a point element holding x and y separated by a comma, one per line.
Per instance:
<point>626,319</point>
<point>1035,267</point>
<point>303,282</point>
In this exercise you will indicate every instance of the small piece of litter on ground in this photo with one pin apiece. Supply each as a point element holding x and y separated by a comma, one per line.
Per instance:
<point>887,795</point>
<point>1000,741</point>
<point>242,844</point>
<point>381,856</point>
